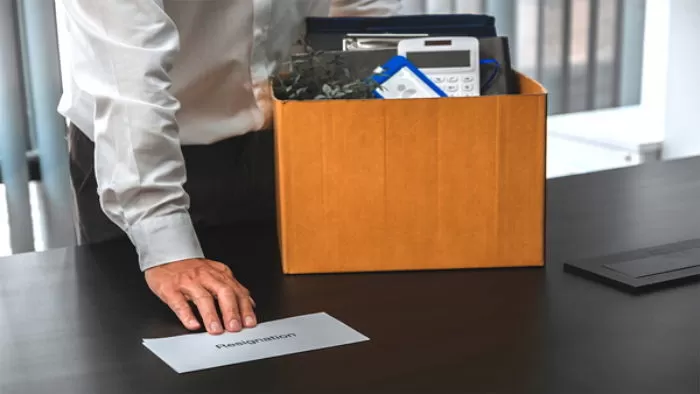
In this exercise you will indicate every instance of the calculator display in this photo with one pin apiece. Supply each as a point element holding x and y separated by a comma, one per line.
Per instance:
<point>440,59</point>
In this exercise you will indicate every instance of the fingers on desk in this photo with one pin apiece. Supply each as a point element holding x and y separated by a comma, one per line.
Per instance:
<point>204,301</point>
<point>246,304</point>
<point>209,288</point>
<point>244,301</point>
<point>178,303</point>
<point>225,293</point>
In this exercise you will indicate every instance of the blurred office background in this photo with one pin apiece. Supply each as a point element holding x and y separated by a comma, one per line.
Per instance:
<point>620,75</point>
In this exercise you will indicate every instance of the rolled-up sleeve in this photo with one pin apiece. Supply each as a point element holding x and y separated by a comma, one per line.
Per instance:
<point>139,167</point>
<point>365,7</point>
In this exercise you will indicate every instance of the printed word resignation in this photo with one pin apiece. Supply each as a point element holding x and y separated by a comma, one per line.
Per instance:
<point>254,341</point>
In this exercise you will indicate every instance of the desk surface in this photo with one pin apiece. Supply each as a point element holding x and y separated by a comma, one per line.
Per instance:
<point>71,321</point>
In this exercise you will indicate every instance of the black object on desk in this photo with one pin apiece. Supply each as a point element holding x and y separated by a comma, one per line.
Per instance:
<point>644,269</point>
<point>71,321</point>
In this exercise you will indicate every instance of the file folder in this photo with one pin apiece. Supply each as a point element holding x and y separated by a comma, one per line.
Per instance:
<point>328,33</point>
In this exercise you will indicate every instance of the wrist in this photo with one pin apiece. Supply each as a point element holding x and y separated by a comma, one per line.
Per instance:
<point>165,239</point>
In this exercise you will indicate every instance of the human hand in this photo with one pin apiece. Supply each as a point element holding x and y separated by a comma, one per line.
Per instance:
<point>203,282</point>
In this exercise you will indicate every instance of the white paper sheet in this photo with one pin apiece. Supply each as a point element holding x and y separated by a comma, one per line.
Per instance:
<point>193,352</point>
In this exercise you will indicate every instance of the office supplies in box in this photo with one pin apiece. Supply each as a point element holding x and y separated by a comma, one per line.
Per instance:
<point>400,79</point>
<point>329,33</point>
<point>390,185</point>
<point>450,62</point>
<point>368,41</point>
<point>361,63</point>
<point>506,81</point>
<point>371,33</point>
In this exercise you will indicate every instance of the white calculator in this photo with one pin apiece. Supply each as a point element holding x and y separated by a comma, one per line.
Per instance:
<point>452,63</point>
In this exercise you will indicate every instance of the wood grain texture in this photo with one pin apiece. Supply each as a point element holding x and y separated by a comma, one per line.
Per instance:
<point>378,185</point>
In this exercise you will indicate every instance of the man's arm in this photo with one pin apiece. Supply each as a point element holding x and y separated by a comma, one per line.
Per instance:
<point>139,165</point>
<point>365,7</point>
<point>138,161</point>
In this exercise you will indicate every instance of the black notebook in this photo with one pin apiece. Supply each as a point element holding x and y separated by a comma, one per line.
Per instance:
<point>644,269</point>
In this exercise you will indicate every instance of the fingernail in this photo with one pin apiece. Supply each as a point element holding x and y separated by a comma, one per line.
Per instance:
<point>234,325</point>
<point>193,323</point>
<point>215,326</point>
<point>249,321</point>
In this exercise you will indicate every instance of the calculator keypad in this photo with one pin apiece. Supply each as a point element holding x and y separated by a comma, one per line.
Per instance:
<point>455,85</point>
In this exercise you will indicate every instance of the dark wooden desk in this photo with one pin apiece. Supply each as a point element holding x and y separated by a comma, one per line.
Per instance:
<point>71,321</point>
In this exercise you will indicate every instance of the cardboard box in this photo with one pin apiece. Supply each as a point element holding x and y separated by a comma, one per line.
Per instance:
<point>419,184</point>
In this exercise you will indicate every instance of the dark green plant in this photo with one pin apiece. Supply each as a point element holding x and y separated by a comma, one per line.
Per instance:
<point>313,75</point>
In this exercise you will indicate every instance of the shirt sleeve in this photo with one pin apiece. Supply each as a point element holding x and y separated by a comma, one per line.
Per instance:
<point>128,49</point>
<point>342,8</point>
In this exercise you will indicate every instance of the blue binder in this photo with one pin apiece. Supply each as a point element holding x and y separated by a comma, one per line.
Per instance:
<point>327,33</point>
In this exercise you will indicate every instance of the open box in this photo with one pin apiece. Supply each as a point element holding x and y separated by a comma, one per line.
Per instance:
<point>415,184</point>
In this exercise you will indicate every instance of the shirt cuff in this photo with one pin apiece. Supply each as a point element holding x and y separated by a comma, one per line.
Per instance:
<point>165,239</point>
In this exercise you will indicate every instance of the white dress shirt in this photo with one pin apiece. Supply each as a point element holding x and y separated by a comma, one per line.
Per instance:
<point>149,75</point>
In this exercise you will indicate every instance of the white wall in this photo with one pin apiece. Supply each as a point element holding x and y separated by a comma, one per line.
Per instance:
<point>655,64</point>
<point>682,98</point>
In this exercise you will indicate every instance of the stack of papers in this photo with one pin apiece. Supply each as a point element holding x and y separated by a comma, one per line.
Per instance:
<point>193,352</point>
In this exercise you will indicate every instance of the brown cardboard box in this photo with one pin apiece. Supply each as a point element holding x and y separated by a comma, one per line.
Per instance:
<point>379,185</point>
